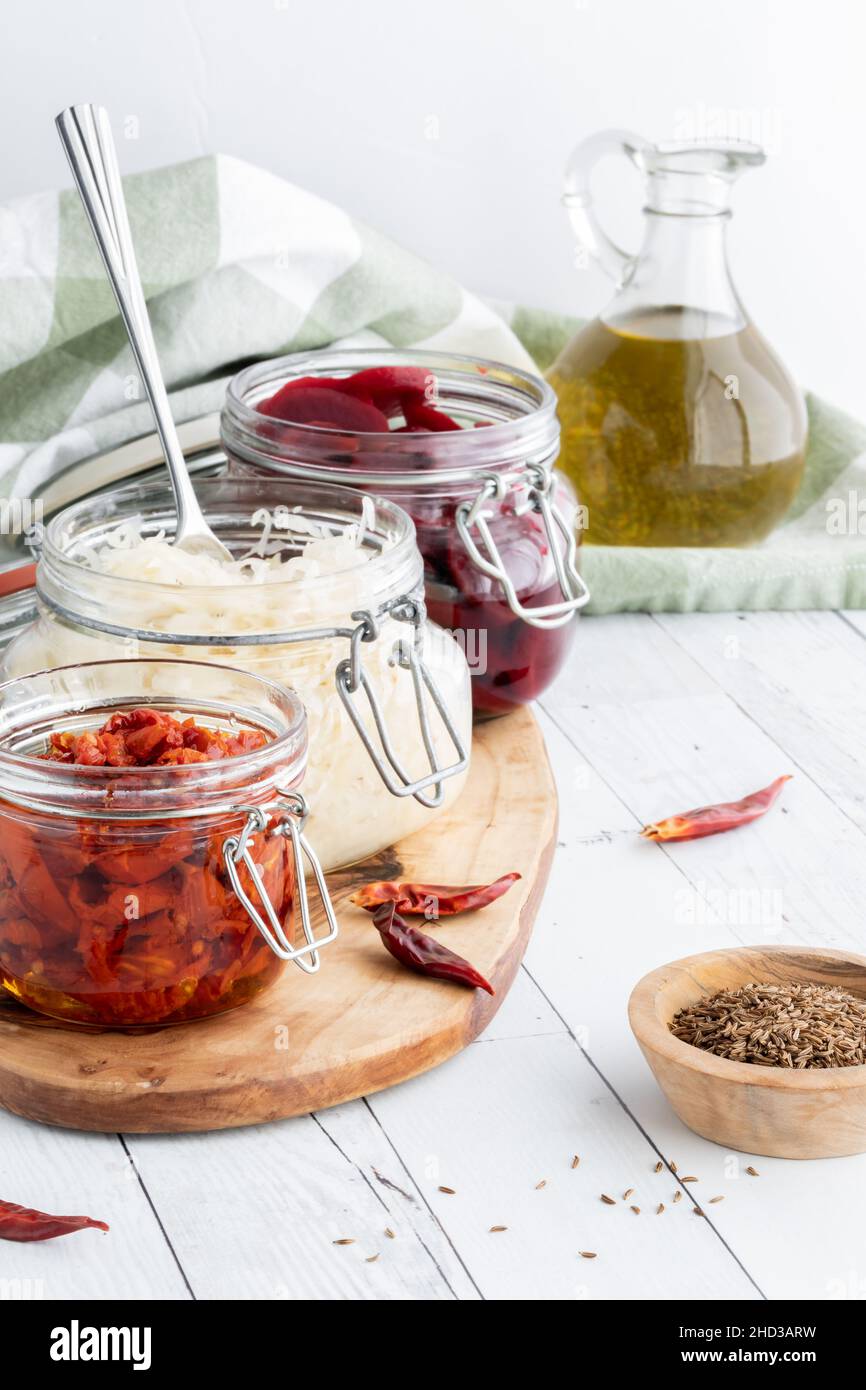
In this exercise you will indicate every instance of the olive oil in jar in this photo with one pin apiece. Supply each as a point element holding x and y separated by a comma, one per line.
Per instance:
<point>677,432</point>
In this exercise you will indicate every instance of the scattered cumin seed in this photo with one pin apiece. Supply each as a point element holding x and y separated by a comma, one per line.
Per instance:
<point>689,1179</point>
<point>659,1166</point>
<point>587,1254</point>
<point>697,1211</point>
<point>713,1200</point>
<point>575,1162</point>
<point>660,1208</point>
<point>627,1193</point>
<point>753,1172</point>
<point>450,1191</point>
<point>678,1196</point>
<point>346,1240</point>
<point>389,1233</point>
<point>494,1229</point>
<point>636,1210</point>
<point>608,1201</point>
<point>371,1259</point>
<point>540,1185</point>
<point>672,1166</point>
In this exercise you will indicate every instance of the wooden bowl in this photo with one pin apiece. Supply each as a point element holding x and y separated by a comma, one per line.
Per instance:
<point>813,1113</point>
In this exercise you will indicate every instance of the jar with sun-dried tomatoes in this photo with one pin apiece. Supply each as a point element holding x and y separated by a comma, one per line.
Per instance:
<point>152,855</point>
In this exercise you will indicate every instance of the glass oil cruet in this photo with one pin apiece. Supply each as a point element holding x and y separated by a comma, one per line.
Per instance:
<point>680,426</point>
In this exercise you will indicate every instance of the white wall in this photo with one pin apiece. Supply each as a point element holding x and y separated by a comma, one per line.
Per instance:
<point>447,124</point>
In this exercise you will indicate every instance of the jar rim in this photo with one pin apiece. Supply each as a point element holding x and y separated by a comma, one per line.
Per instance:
<point>27,779</point>
<point>461,455</point>
<point>280,491</point>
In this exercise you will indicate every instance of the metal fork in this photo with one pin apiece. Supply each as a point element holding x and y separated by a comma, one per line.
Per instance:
<point>85,133</point>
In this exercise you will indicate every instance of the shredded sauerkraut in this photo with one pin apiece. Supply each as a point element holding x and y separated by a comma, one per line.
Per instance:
<point>316,551</point>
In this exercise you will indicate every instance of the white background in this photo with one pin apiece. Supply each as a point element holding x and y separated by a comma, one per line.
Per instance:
<point>447,125</point>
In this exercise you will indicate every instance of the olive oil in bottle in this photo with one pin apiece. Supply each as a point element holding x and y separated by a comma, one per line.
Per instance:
<point>673,439</point>
<point>680,426</point>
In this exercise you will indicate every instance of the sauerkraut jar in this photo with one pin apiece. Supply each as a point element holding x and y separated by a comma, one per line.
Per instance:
<point>152,853</point>
<point>467,447</point>
<point>326,596</point>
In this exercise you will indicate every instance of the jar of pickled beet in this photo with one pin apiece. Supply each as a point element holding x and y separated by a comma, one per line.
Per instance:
<point>151,841</point>
<point>468,448</point>
<point>324,594</point>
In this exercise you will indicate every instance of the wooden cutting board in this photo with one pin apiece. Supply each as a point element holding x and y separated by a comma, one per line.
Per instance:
<point>311,1041</point>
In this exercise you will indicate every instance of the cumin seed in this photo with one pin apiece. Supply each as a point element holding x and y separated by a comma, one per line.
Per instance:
<point>608,1201</point>
<point>799,1024</point>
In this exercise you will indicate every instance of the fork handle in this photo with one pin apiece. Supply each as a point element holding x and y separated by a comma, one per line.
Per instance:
<point>85,134</point>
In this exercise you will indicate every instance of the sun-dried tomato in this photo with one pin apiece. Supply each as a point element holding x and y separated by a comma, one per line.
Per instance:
<point>148,737</point>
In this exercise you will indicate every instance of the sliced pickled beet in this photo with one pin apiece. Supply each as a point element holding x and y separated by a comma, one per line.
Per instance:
<point>426,417</point>
<point>299,404</point>
<point>388,389</point>
<point>525,556</point>
<point>392,389</point>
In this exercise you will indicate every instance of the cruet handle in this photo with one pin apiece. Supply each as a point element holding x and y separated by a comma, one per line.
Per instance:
<point>577,198</point>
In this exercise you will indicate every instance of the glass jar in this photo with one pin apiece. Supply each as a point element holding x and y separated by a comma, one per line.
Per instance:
<point>681,426</point>
<point>137,896</point>
<point>495,522</point>
<point>386,692</point>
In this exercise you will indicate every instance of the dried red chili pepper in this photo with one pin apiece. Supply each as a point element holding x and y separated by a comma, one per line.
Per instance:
<point>25,1224</point>
<point>431,900</point>
<point>712,820</point>
<point>414,949</point>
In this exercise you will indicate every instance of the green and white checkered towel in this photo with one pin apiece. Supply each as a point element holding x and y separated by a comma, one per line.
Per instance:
<point>238,264</point>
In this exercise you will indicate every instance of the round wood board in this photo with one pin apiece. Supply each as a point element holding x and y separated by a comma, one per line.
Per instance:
<point>311,1041</point>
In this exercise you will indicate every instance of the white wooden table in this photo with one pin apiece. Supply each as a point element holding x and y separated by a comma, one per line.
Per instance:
<point>655,714</point>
